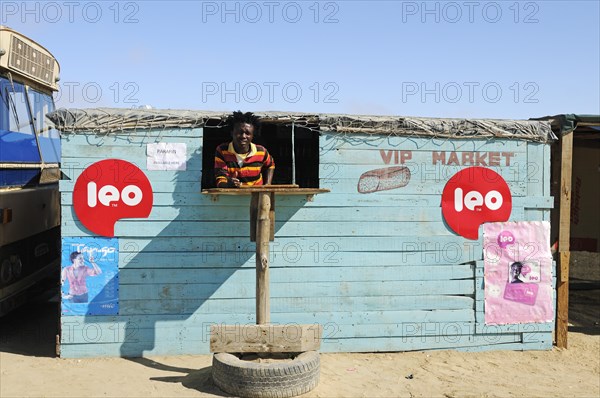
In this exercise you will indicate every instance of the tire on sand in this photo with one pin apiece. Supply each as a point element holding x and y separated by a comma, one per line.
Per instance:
<point>266,380</point>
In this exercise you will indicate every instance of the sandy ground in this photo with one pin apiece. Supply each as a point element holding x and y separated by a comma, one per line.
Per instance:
<point>28,366</point>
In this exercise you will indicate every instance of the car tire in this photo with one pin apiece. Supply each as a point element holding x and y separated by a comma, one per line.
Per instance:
<point>266,380</point>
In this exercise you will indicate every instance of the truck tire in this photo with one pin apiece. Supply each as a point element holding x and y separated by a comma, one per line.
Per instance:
<point>266,380</point>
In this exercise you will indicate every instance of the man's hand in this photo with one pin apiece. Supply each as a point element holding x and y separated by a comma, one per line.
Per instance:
<point>235,183</point>
<point>233,180</point>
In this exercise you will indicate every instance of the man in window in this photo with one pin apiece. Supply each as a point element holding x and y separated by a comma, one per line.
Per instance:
<point>240,162</point>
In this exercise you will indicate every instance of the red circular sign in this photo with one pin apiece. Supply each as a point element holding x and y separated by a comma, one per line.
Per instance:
<point>109,190</point>
<point>473,196</point>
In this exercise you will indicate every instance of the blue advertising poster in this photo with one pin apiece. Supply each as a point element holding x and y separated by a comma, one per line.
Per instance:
<point>90,276</point>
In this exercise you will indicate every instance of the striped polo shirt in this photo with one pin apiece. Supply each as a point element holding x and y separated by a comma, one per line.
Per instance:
<point>247,168</point>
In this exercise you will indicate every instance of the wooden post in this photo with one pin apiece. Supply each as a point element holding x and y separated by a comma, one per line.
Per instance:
<point>263,232</point>
<point>272,217</point>
<point>564,235</point>
<point>253,216</point>
<point>264,337</point>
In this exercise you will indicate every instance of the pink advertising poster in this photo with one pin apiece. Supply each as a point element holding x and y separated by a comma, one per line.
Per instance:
<point>517,272</point>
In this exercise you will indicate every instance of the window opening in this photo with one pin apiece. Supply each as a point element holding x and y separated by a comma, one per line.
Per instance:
<point>294,148</point>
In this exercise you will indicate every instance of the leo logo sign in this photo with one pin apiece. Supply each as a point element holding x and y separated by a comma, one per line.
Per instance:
<point>109,190</point>
<point>474,196</point>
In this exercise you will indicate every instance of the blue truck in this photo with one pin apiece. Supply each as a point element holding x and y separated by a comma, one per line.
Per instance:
<point>29,170</point>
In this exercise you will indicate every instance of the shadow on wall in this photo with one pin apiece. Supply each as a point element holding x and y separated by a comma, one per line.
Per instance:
<point>190,264</point>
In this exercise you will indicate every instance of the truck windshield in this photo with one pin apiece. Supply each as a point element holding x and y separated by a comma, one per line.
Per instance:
<point>23,115</point>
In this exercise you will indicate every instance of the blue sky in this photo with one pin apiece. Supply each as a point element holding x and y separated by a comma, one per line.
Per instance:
<point>465,59</point>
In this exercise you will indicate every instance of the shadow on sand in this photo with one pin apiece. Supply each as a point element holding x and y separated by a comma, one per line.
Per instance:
<point>194,379</point>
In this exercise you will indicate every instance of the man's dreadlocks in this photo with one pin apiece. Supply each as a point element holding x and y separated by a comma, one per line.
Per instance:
<point>241,118</point>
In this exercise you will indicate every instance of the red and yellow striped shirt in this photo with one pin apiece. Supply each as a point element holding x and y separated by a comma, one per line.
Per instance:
<point>247,168</point>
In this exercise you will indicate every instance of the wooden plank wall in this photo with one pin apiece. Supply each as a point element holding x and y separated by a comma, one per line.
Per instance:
<point>379,271</point>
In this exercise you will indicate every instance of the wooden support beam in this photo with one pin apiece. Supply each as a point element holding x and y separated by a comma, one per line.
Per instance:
<point>253,216</point>
<point>278,189</point>
<point>272,217</point>
<point>263,233</point>
<point>265,338</point>
<point>564,235</point>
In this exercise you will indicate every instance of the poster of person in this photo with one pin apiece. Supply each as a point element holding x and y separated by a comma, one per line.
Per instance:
<point>90,276</point>
<point>517,273</point>
<point>524,272</point>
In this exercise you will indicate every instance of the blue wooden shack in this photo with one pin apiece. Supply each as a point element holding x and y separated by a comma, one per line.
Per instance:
<point>378,268</point>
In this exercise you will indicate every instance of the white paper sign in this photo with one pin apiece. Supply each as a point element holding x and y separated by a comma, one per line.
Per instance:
<point>166,156</point>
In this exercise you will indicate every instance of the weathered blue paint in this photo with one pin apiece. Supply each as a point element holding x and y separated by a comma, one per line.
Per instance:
<point>379,271</point>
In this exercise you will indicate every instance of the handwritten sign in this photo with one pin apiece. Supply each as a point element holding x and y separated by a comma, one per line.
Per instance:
<point>166,156</point>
